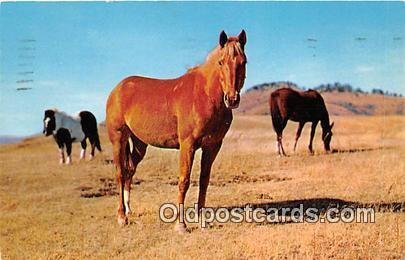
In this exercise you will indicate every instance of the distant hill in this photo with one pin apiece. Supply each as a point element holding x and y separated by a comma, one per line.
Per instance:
<point>7,139</point>
<point>339,99</point>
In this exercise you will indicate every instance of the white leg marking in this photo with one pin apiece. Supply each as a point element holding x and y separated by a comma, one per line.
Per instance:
<point>61,156</point>
<point>69,160</point>
<point>131,145</point>
<point>126,202</point>
<point>82,154</point>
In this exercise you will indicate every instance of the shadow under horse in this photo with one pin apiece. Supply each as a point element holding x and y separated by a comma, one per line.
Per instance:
<point>187,113</point>
<point>318,207</point>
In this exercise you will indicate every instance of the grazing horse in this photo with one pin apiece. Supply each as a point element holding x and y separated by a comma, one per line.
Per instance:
<point>307,106</point>
<point>67,129</point>
<point>187,113</point>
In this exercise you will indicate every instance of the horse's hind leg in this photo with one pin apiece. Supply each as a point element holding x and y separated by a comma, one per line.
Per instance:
<point>136,150</point>
<point>279,138</point>
<point>83,151</point>
<point>119,139</point>
<point>69,152</point>
<point>279,132</point>
<point>94,141</point>
<point>280,146</point>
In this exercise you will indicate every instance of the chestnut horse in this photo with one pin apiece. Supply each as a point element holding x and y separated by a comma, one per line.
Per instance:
<point>307,106</point>
<point>190,112</point>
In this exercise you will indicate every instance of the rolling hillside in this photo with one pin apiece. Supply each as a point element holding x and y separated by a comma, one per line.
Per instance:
<point>255,102</point>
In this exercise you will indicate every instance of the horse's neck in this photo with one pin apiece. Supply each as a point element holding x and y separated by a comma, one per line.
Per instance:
<point>325,121</point>
<point>208,75</point>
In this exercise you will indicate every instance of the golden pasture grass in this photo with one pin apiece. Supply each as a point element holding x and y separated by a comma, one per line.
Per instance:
<point>53,211</point>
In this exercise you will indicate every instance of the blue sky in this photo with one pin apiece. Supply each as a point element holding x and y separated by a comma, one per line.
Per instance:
<point>81,50</point>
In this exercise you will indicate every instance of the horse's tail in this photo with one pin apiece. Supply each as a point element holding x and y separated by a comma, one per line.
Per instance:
<point>97,142</point>
<point>275,111</point>
<point>89,126</point>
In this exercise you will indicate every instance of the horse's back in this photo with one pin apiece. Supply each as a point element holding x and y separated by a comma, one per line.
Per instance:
<point>283,99</point>
<point>135,90</point>
<point>312,94</point>
<point>74,127</point>
<point>297,106</point>
<point>284,92</point>
<point>314,99</point>
<point>145,105</point>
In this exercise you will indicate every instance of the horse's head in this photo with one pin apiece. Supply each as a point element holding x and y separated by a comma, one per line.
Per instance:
<point>327,136</point>
<point>232,67</point>
<point>49,122</point>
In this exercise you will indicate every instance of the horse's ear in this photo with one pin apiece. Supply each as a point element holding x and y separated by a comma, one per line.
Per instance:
<point>242,38</point>
<point>331,125</point>
<point>223,38</point>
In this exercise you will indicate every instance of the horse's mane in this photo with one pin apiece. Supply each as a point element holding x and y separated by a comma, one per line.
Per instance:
<point>229,51</point>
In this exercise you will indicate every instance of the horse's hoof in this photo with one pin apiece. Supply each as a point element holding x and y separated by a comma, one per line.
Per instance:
<point>122,221</point>
<point>128,213</point>
<point>180,228</point>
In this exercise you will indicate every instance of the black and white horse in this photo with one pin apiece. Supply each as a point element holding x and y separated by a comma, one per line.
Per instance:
<point>67,129</point>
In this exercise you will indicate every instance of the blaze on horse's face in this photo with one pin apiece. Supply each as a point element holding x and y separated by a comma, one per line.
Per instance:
<point>327,137</point>
<point>49,122</point>
<point>232,67</point>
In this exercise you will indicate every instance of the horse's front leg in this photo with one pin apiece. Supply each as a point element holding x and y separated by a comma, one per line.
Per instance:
<point>298,134</point>
<point>209,153</point>
<point>187,151</point>
<point>311,138</point>
<point>69,152</point>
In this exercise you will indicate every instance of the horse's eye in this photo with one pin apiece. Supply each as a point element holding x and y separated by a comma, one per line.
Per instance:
<point>220,62</point>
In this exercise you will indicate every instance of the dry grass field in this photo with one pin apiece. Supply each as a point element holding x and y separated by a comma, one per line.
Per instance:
<point>53,211</point>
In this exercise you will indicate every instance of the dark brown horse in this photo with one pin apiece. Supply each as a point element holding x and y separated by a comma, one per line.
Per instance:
<point>187,113</point>
<point>307,106</point>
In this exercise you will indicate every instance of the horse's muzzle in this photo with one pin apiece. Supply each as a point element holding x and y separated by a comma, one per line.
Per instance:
<point>232,102</point>
<point>46,133</point>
